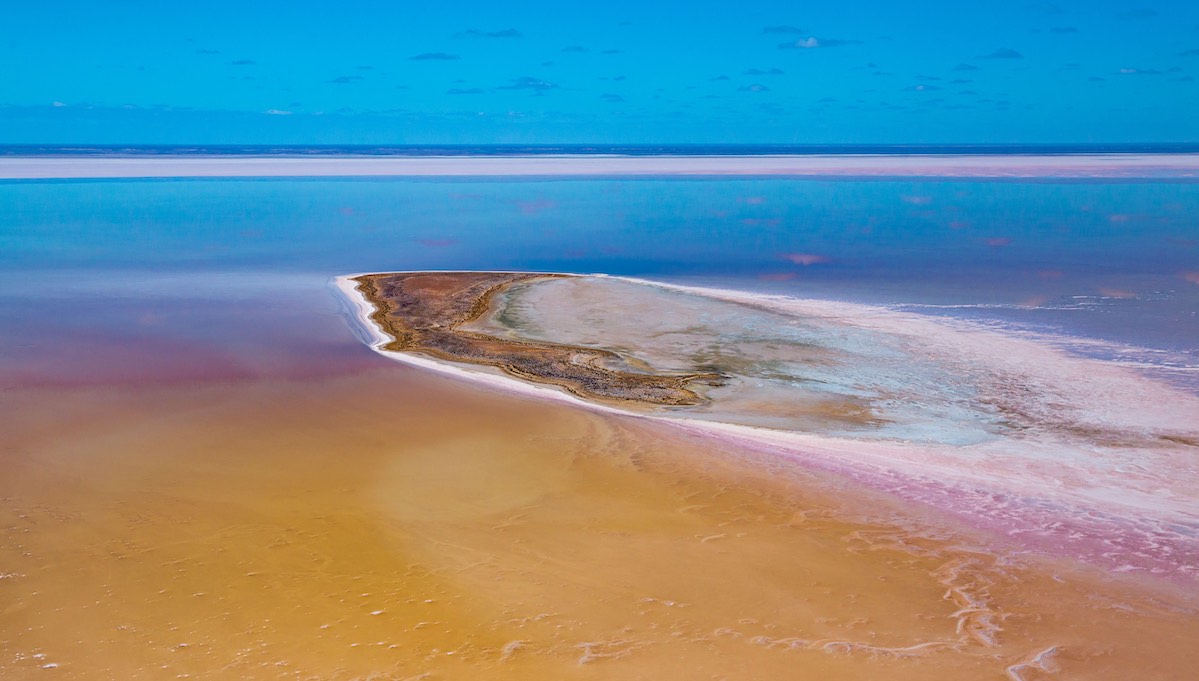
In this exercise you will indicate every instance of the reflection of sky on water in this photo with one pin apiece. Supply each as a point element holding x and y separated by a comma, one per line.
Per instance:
<point>1103,259</point>
<point>133,326</point>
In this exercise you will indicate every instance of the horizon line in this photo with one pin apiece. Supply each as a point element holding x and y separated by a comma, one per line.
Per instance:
<point>585,149</point>
<point>1177,166</point>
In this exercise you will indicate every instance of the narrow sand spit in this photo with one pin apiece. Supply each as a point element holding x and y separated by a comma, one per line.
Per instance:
<point>1052,495</point>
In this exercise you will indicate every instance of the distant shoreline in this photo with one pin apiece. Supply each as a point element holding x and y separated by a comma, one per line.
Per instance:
<point>596,149</point>
<point>1170,166</point>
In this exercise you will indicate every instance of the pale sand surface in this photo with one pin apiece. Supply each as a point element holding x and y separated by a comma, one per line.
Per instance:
<point>995,166</point>
<point>392,524</point>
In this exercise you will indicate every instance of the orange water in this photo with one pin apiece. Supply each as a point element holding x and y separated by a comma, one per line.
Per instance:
<point>391,524</point>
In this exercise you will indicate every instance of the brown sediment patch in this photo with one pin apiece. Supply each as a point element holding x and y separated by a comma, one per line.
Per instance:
<point>423,312</point>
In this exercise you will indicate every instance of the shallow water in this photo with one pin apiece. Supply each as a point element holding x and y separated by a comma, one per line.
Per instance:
<point>1085,456</point>
<point>392,522</point>
<point>204,471</point>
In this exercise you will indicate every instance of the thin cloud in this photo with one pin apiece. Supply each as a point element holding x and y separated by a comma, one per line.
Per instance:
<point>804,259</point>
<point>464,91</point>
<point>1063,30</point>
<point>476,33</point>
<point>612,52</point>
<point>529,83</point>
<point>762,72</point>
<point>573,49</point>
<point>756,87</point>
<point>1002,53</point>
<point>344,80</point>
<point>1190,53</point>
<point>243,62</point>
<point>612,98</point>
<point>812,42</point>
<point>784,29</point>
<point>434,56</point>
<point>718,78</point>
<point>208,51</point>
<point>965,67</point>
<point>1138,72</point>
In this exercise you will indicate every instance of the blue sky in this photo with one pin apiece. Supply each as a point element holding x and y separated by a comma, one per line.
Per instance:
<point>299,72</point>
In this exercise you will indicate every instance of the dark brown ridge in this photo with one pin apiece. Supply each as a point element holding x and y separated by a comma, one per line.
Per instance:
<point>422,311</point>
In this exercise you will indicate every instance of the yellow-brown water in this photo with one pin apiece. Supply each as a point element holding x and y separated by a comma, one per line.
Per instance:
<point>390,524</point>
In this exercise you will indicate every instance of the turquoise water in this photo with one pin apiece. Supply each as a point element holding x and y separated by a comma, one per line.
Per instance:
<point>895,233</point>
<point>250,258</point>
